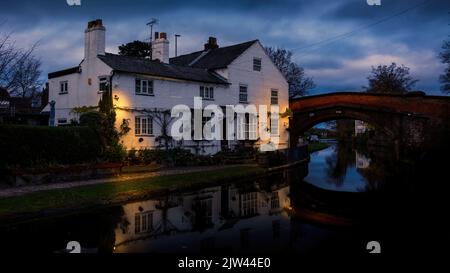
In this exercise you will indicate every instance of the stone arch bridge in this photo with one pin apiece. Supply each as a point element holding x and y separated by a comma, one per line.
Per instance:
<point>414,121</point>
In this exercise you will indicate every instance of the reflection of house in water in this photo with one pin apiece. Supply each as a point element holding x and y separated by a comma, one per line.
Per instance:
<point>362,162</point>
<point>216,218</point>
<point>360,127</point>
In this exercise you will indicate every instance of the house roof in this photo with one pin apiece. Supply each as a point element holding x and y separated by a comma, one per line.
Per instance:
<point>213,58</point>
<point>64,72</point>
<point>156,68</point>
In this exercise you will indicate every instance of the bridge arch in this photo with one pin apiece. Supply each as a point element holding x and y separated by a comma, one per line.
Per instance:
<point>407,119</point>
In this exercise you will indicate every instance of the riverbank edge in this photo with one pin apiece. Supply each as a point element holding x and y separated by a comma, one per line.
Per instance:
<point>238,174</point>
<point>316,147</point>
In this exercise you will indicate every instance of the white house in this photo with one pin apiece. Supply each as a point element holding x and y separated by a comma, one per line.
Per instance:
<point>236,74</point>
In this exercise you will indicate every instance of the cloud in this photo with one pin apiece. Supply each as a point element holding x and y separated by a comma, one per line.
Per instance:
<point>413,38</point>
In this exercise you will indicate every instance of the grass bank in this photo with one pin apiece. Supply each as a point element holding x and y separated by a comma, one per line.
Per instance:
<point>119,192</point>
<point>317,146</point>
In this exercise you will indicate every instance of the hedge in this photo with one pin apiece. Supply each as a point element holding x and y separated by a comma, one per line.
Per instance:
<point>31,146</point>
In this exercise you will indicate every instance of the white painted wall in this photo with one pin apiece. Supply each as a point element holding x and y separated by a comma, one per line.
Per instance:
<point>84,87</point>
<point>259,83</point>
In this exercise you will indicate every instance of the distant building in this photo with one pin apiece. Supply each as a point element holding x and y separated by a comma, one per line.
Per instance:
<point>16,110</point>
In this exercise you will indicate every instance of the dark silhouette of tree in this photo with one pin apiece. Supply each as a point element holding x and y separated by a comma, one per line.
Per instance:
<point>299,83</point>
<point>136,49</point>
<point>390,79</point>
<point>20,70</point>
<point>445,58</point>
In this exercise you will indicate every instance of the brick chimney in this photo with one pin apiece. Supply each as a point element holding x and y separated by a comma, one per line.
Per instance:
<point>94,39</point>
<point>211,44</point>
<point>160,47</point>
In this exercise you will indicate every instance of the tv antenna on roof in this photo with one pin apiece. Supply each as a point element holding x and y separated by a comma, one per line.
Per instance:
<point>152,22</point>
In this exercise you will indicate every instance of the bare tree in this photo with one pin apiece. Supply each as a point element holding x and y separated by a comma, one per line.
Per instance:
<point>19,69</point>
<point>299,83</point>
<point>27,78</point>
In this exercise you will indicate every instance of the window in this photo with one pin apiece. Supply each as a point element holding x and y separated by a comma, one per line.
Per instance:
<point>205,210</point>
<point>144,87</point>
<point>143,126</point>
<point>103,84</point>
<point>274,201</point>
<point>207,93</point>
<point>143,222</point>
<point>273,127</point>
<point>243,94</point>
<point>62,121</point>
<point>257,64</point>
<point>274,97</point>
<point>64,87</point>
<point>247,127</point>
<point>249,204</point>
<point>212,129</point>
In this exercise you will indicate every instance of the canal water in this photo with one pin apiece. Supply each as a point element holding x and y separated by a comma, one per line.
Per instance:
<point>332,205</point>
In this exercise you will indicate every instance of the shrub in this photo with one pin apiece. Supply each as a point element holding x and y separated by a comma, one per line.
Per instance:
<point>115,153</point>
<point>28,146</point>
<point>132,157</point>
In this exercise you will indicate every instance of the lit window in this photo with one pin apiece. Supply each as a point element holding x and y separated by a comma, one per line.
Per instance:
<point>243,93</point>
<point>257,64</point>
<point>207,93</point>
<point>274,127</point>
<point>274,97</point>
<point>143,126</point>
<point>144,87</point>
<point>64,87</point>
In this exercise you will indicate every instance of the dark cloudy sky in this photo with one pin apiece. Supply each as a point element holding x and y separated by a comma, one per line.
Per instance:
<point>335,41</point>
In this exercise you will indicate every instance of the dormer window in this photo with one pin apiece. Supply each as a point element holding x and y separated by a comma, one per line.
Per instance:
<point>257,64</point>
<point>103,84</point>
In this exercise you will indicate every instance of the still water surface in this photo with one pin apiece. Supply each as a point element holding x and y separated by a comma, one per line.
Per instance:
<point>282,213</point>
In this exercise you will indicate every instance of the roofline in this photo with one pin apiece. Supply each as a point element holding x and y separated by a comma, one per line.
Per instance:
<point>199,51</point>
<point>64,72</point>
<point>173,78</point>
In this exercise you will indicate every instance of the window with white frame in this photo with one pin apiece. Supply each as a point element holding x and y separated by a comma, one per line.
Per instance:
<point>274,96</point>
<point>247,127</point>
<point>257,64</point>
<point>63,87</point>
<point>103,84</point>
<point>243,93</point>
<point>143,222</point>
<point>144,87</point>
<point>273,127</point>
<point>207,93</point>
<point>249,204</point>
<point>143,126</point>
